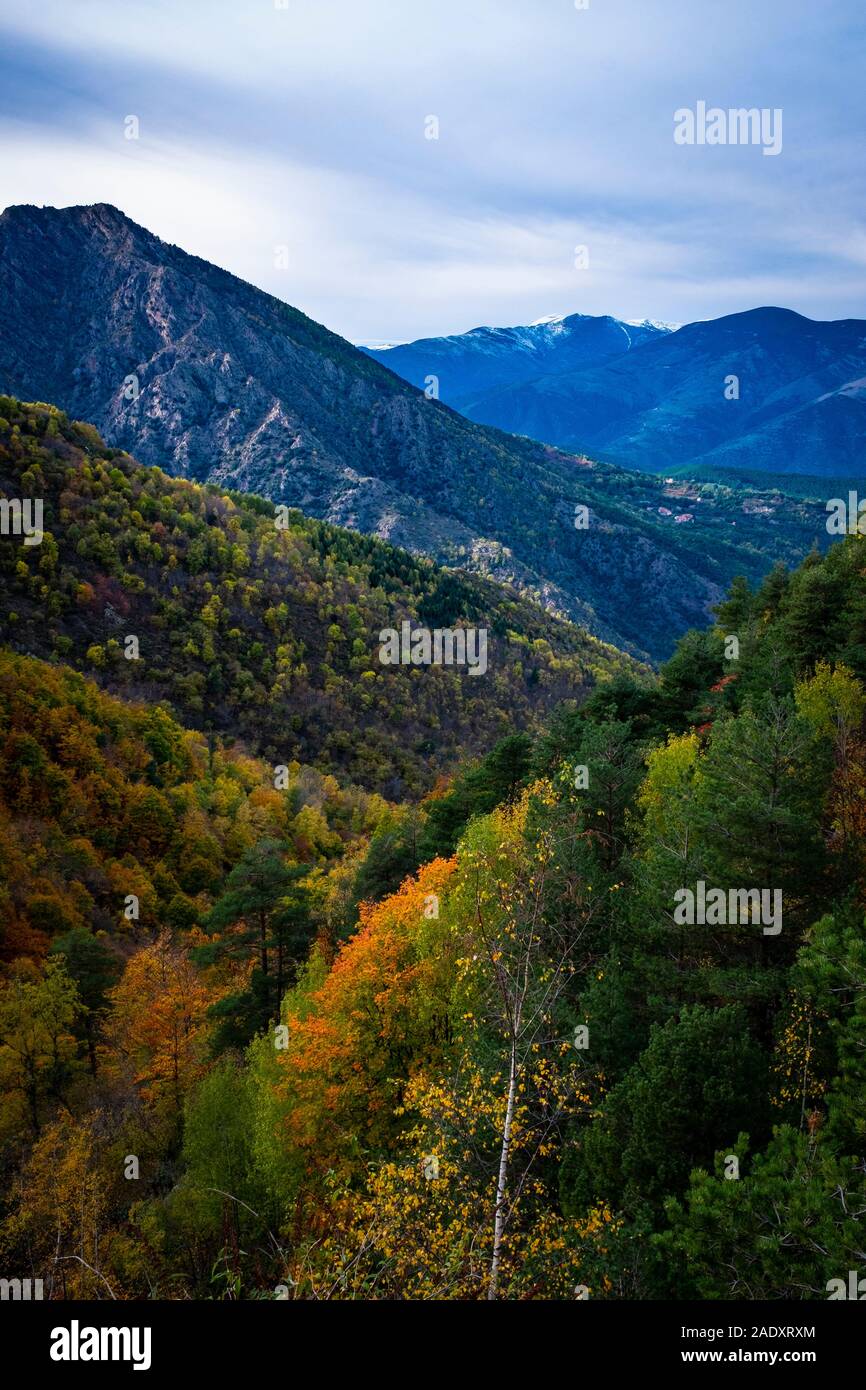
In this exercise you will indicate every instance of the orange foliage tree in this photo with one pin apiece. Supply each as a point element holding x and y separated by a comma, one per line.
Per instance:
<point>156,1033</point>
<point>346,1048</point>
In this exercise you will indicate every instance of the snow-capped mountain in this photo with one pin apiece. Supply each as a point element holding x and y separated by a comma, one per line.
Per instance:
<point>469,364</point>
<point>765,390</point>
<point>653,323</point>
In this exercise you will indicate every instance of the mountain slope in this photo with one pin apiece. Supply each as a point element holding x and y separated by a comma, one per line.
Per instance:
<point>267,633</point>
<point>801,405</point>
<point>118,797</point>
<point>200,373</point>
<point>468,364</point>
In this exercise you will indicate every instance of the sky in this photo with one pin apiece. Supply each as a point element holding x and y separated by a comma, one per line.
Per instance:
<point>288,141</point>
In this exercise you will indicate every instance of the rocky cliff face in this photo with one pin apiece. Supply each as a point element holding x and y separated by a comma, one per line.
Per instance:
<point>190,368</point>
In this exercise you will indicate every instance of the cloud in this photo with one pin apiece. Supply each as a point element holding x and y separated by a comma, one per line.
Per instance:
<point>305,127</point>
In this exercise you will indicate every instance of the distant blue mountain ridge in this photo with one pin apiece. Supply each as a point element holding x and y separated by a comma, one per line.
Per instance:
<point>767,390</point>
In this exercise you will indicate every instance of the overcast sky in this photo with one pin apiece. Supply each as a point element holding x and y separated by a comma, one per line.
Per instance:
<point>304,127</point>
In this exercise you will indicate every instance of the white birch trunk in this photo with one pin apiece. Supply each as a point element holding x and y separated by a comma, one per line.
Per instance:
<point>499,1217</point>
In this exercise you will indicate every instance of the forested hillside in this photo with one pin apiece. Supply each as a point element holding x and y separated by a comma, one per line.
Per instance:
<point>506,1063</point>
<point>264,633</point>
<point>102,799</point>
<point>201,374</point>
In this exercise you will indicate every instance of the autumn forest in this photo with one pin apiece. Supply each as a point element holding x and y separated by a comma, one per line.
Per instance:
<point>321,979</point>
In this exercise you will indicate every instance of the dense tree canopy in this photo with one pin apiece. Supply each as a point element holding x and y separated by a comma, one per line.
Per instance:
<point>269,1035</point>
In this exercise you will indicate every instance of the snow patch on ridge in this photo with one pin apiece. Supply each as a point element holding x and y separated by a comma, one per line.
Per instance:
<point>653,323</point>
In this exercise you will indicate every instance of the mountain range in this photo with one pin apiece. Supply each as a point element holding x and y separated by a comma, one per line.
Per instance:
<point>764,392</point>
<point>191,369</point>
<point>468,365</point>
